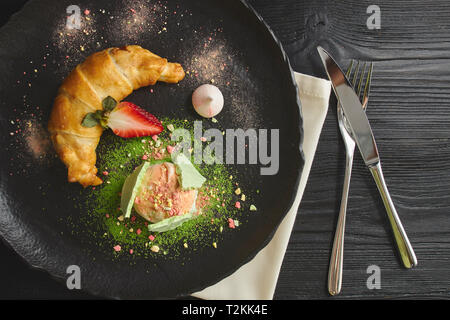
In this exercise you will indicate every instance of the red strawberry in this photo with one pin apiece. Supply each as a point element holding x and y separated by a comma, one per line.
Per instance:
<point>127,120</point>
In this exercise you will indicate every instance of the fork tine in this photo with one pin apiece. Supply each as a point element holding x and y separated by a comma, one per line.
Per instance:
<point>363,72</point>
<point>355,75</point>
<point>365,98</point>
<point>349,70</point>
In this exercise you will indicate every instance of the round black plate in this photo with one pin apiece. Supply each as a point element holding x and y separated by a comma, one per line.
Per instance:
<point>223,42</point>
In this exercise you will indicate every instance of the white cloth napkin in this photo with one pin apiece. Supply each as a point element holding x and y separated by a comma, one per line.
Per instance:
<point>257,279</point>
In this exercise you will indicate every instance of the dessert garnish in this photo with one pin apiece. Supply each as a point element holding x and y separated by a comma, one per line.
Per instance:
<point>130,188</point>
<point>126,119</point>
<point>163,192</point>
<point>170,223</point>
<point>189,177</point>
<point>207,100</point>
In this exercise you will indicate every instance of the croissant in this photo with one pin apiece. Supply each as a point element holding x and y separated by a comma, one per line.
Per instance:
<point>114,72</point>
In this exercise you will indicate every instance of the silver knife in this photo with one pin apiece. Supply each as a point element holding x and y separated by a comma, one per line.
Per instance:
<point>360,127</point>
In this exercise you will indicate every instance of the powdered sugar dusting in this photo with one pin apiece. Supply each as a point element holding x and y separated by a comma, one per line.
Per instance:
<point>209,63</point>
<point>137,17</point>
<point>36,139</point>
<point>124,25</point>
<point>31,139</point>
<point>74,44</point>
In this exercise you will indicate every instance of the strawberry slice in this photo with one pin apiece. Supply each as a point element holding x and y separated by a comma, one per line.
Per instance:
<point>127,120</point>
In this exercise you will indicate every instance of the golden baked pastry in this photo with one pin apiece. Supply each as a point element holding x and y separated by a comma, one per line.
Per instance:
<point>114,72</point>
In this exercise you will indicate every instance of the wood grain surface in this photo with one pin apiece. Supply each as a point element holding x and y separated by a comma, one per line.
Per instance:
<point>409,109</point>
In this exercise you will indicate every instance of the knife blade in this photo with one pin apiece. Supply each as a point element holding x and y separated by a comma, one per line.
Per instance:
<point>353,109</point>
<point>365,140</point>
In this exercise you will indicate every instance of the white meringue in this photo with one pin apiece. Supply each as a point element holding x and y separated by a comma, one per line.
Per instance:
<point>207,100</point>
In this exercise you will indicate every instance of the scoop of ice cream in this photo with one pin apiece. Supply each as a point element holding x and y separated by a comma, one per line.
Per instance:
<point>207,100</point>
<point>160,195</point>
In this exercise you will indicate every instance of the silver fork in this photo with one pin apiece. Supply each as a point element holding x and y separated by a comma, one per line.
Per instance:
<point>337,253</point>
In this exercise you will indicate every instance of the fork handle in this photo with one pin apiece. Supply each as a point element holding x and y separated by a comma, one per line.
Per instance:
<point>337,253</point>
<point>404,246</point>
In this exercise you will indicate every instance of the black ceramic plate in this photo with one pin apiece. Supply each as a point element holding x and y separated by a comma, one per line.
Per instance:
<point>223,42</point>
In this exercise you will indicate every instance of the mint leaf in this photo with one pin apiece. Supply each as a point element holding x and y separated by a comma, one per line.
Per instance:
<point>109,103</point>
<point>90,120</point>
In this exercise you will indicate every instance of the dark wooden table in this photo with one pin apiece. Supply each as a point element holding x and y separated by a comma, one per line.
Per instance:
<point>409,110</point>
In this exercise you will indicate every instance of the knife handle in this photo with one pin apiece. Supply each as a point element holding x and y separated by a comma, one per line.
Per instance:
<point>404,246</point>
